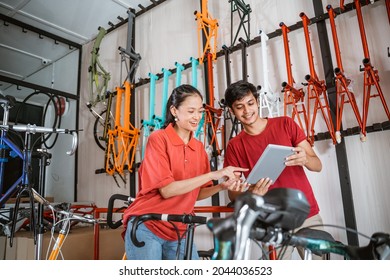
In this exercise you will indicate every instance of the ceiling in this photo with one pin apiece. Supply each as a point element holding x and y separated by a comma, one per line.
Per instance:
<point>35,33</point>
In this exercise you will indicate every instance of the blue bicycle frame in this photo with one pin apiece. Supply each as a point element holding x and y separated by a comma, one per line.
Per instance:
<point>194,68</point>
<point>179,70</point>
<point>166,74</point>
<point>23,179</point>
<point>151,122</point>
<point>25,154</point>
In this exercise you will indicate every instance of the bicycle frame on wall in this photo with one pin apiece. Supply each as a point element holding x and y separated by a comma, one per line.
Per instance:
<point>371,75</point>
<point>123,137</point>
<point>316,90</point>
<point>344,92</point>
<point>209,26</point>
<point>293,97</point>
<point>269,100</point>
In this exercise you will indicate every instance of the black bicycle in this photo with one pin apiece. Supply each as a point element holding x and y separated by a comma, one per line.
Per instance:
<point>272,219</point>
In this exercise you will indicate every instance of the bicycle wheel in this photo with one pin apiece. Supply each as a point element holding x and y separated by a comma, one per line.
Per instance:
<point>99,132</point>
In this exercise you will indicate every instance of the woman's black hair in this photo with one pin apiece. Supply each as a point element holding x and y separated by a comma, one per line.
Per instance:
<point>238,90</point>
<point>179,94</point>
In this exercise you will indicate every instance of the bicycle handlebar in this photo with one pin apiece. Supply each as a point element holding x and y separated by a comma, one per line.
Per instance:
<point>185,219</point>
<point>274,220</point>
<point>110,208</point>
<point>32,128</point>
<point>58,210</point>
<point>320,242</point>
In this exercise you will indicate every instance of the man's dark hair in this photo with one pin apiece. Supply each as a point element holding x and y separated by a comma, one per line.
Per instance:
<point>237,91</point>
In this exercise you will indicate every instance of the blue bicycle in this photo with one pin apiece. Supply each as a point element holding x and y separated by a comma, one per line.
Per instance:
<point>23,185</point>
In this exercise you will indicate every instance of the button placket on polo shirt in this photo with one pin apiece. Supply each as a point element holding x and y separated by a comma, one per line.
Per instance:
<point>185,154</point>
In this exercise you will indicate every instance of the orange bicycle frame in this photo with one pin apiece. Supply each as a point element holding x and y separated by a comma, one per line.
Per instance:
<point>292,96</point>
<point>316,89</point>
<point>211,112</point>
<point>343,94</point>
<point>122,140</point>
<point>216,126</point>
<point>371,76</point>
<point>209,26</point>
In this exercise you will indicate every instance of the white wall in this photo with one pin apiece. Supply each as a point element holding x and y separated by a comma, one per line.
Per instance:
<point>162,40</point>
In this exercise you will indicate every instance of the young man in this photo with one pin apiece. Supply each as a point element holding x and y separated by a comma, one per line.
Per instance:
<point>245,149</point>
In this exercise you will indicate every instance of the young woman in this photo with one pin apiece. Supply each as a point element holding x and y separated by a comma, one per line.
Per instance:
<point>173,175</point>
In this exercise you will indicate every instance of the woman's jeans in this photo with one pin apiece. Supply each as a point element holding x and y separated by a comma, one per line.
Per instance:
<point>155,248</point>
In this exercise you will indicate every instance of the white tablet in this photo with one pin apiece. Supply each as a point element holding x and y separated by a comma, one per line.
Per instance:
<point>270,164</point>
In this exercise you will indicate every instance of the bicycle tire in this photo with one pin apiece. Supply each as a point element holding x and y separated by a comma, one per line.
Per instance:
<point>98,130</point>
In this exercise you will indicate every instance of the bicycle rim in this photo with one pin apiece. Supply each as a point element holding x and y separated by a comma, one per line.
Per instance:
<point>98,130</point>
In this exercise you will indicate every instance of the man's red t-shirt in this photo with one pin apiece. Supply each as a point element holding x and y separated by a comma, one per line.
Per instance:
<point>244,150</point>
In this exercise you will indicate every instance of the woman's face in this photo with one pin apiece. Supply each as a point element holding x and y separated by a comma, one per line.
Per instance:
<point>189,113</point>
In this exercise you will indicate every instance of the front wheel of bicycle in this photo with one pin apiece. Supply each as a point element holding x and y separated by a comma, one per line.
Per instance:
<point>98,129</point>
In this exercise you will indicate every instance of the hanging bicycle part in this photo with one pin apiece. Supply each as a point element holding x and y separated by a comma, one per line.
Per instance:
<point>147,126</point>
<point>243,10</point>
<point>194,71</point>
<point>209,28</point>
<point>123,139</point>
<point>213,128</point>
<point>229,119</point>
<point>161,119</point>
<point>344,93</point>
<point>179,70</point>
<point>129,57</point>
<point>213,123</point>
<point>316,90</point>
<point>244,55</point>
<point>293,97</point>
<point>103,122</point>
<point>269,101</point>
<point>371,75</point>
<point>98,76</point>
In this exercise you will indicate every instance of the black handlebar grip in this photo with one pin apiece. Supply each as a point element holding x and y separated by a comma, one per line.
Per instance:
<point>110,208</point>
<point>186,219</point>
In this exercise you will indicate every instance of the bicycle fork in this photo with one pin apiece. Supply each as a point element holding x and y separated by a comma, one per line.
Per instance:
<point>59,241</point>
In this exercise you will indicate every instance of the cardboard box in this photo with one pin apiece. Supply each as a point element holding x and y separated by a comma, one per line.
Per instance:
<point>3,244</point>
<point>78,245</point>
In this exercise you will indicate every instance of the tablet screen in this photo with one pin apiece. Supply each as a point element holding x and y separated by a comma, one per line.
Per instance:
<point>270,164</point>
